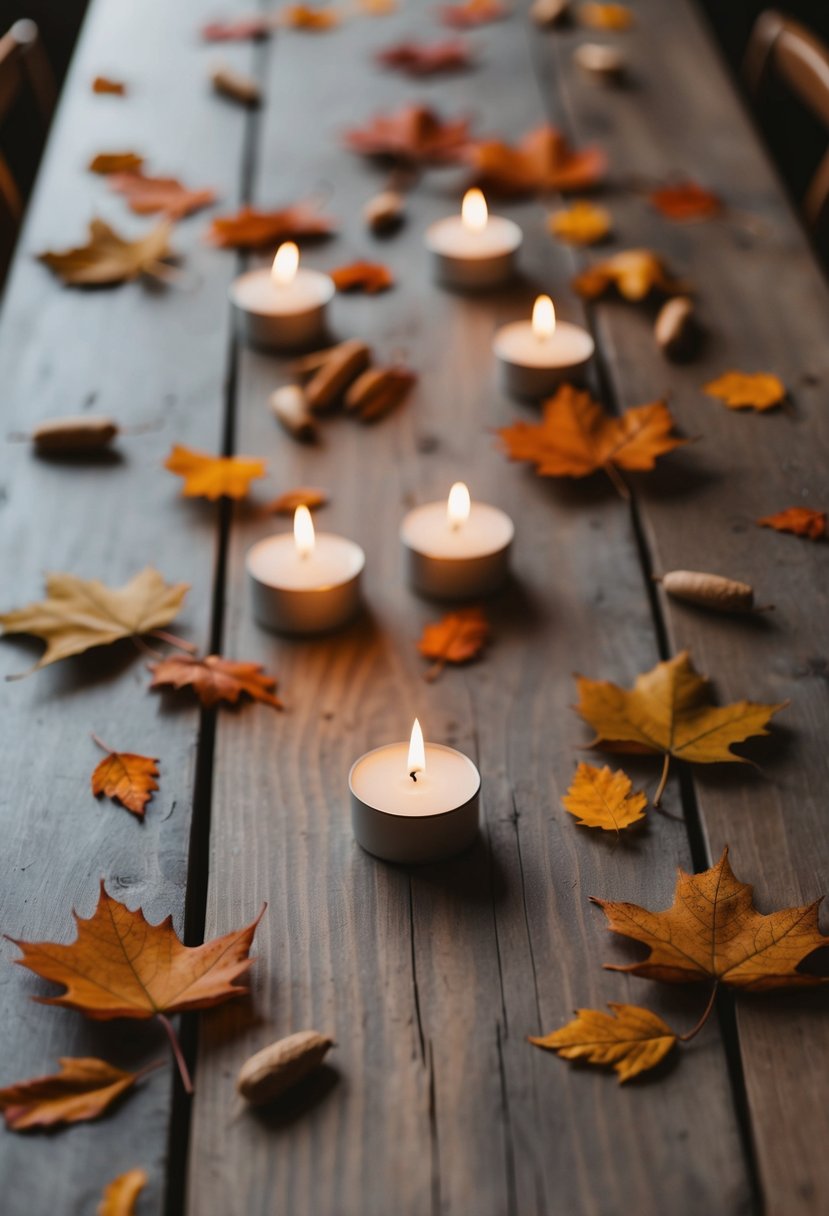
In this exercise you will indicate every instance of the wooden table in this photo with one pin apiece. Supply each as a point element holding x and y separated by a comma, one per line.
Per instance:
<point>429,979</point>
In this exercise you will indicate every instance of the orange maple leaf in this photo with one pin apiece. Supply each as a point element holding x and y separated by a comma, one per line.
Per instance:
<point>685,201</point>
<point>147,195</point>
<point>126,778</point>
<point>369,277</point>
<point>104,84</point>
<point>84,1089</point>
<point>214,679</point>
<point>304,17</point>
<point>472,12</point>
<point>605,16</point>
<point>457,638</point>
<point>635,273</point>
<point>414,133</point>
<point>426,58</point>
<point>747,390</point>
<point>121,1195</point>
<point>542,161</point>
<point>213,477</point>
<point>115,162</point>
<point>251,228</point>
<point>802,521</point>
<point>576,437</point>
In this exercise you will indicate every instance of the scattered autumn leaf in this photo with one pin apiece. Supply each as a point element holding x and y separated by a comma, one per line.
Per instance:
<point>668,711</point>
<point>104,84</point>
<point>581,224</point>
<point>542,161</point>
<point>686,201</point>
<point>605,16</point>
<point>472,12</point>
<point>601,798</point>
<point>635,273</point>
<point>249,228</point>
<point>115,162</point>
<point>121,966</point>
<point>368,277</point>
<point>377,8</point>
<point>108,258</point>
<point>457,638</point>
<point>213,477</point>
<point>304,496</point>
<point>304,17</point>
<point>747,390</point>
<point>631,1039</point>
<point>214,679</point>
<point>712,931</point>
<point>126,778</point>
<point>426,59</point>
<point>238,30</point>
<point>81,613</point>
<point>576,437</point>
<point>413,133</point>
<point>121,1194</point>
<point>802,521</point>
<point>146,195</point>
<point>84,1089</point>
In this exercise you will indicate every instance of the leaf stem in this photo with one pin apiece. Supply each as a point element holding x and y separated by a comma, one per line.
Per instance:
<point>148,1068</point>
<point>706,1014</point>
<point>434,671</point>
<point>101,744</point>
<point>663,781</point>
<point>172,640</point>
<point>178,1054</point>
<point>618,481</point>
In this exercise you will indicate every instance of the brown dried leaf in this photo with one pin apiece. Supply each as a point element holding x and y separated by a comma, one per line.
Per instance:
<point>414,133</point>
<point>635,273</point>
<point>473,12</point>
<point>214,679</point>
<point>303,496</point>
<point>238,30</point>
<point>802,521</point>
<point>104,84</point>
<point>249,228</point>
<point>108,258</point>
<point>148,195</point>
<point>368,277</point>
<point>458,637</point>
<point>84,1089</point>
<point>542,161</point>
<point>631,1039</point>
<point>426,58</point>
<point>126,778</point>
<point>685,202</point>
<point>115,162</point>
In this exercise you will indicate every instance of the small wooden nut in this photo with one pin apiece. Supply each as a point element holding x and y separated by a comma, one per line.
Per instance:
<point>549,12</point>
<point>329,382</point>
<point>378,391</point>
<point>274,1069</point>
<point>73,435</point>
<point>606,63</point>
<point>675,327</point>
<point>385,211</point>
<point>235,85</point>
<point>709,590</point>
<point>290,408</point>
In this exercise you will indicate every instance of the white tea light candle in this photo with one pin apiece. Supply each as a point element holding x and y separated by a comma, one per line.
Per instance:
<point>414,802</point>
<point>305,583</point>
<point>473,250</point>
<point>536,356</point>
<point>457,549</point>
<point>283,308</point>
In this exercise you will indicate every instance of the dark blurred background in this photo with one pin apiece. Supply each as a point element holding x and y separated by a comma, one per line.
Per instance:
<point>797,140</point>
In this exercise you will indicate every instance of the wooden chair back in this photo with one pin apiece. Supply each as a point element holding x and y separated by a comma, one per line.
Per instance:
<point>24,68</point>
<point>782,48</point>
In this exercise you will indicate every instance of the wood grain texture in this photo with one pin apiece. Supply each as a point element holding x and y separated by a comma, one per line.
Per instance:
<point>764,304</point>
<point>430,980</point>
<point>144,356</point>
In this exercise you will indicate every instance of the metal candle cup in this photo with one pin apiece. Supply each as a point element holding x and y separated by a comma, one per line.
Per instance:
<point>284,308</point>
<point>456,549</point>
<point>535,357</point>
<point>407,816</point>
<point>473,251</point>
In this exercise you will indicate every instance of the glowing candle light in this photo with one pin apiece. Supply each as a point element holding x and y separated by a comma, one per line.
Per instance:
<point>304,537</point>
<point>536,356</point>
<point>473,250</point>
<point>456,549</point>
<point>284,306</point>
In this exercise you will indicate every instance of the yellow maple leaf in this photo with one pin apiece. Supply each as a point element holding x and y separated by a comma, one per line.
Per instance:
<point>747,390</point>
<point>631,1039</point>
<point>581,224</point>
<point>213,477</point>
<point>600,798</point>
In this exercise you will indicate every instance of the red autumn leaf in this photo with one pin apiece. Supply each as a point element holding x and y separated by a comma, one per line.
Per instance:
<point>250,228</point>
<point>147,195</point>
<point>237,31</point>
<point>126,778</point>
<point>215,679</point>
<point>370,277</point>
<point>802,521</point>
<point>472,12</point>
<point>686,201</point>
<point>426,58</point>
<point>542,161</point>
<point>414,133</point>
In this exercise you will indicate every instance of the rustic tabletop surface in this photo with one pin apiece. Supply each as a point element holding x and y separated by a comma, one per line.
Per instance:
<point>429,979</point>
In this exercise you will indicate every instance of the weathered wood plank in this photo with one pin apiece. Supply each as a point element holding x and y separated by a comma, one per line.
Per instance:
<point>144,356</point>
<point>430,980</point>
<point>765,307</point>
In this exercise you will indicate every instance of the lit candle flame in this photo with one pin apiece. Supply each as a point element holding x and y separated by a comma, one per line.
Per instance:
<point>544,319</point>
<point>459,505</point>
<point>473,211</point>
<point>285,264</point>
<point>416,762</point>
<point>304,538</point>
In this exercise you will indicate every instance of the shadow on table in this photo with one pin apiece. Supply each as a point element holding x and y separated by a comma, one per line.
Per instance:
<point>299,1101</point>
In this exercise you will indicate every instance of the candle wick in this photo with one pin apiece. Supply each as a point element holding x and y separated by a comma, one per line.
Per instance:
<point>413,776</point>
